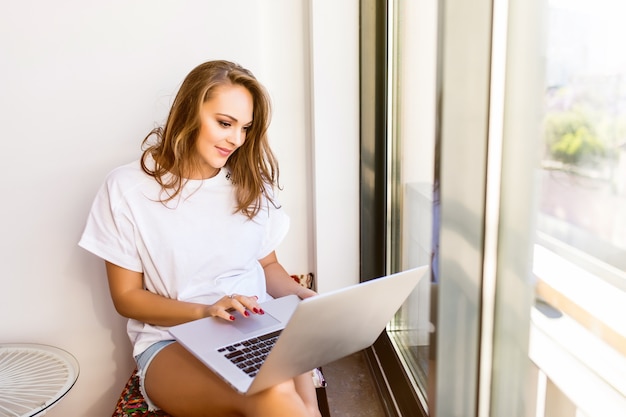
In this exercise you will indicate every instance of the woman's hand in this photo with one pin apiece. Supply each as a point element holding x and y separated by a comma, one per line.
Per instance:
<point>133,301</point>
<point>279,282</point>
<point>305,293</point>
<point>243,304</point>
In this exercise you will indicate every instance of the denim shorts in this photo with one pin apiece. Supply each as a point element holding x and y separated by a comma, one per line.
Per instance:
<point>143,361</point>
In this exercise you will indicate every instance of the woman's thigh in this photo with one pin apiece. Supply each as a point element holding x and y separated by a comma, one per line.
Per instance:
<point>180,384</point>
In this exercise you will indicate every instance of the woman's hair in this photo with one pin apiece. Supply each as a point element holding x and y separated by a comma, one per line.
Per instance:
<point>253,166</point>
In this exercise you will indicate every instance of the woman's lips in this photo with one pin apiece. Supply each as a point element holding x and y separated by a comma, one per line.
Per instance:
<point>223,151</point>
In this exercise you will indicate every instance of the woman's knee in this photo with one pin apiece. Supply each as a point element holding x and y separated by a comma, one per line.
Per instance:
<point>283,397</point>
<point>289,391</point>
<point>285,390</point>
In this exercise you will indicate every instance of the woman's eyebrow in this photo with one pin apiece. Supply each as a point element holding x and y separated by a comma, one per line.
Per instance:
<point>228,116</point>
<point>232,118</point>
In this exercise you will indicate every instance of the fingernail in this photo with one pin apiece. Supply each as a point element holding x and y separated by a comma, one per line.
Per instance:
<point>261,311</point>
<point>256,310</point>
<point>245,313</point>
<point>232,318</point>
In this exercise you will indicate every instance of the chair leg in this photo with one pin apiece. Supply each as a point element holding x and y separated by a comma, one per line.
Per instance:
<point>322,402</point>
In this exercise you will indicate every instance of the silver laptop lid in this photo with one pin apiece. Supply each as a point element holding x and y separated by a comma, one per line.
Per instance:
<point>335,324</point>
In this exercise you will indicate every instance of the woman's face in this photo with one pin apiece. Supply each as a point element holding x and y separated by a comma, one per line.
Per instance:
<point>224,121</point>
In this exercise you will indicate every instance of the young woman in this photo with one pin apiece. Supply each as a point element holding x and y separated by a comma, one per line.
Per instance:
<point>190,231</point>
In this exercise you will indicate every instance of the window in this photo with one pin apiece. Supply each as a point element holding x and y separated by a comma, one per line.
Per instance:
<point>517,111</point>
<point>583,175</point>
<point>577,328</point>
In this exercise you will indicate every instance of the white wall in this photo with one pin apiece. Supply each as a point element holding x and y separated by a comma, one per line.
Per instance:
<point>335,148</point>
<point>81,83</point>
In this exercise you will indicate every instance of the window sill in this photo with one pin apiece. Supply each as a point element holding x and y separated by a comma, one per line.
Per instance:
<point>594,303</point>
<point>582,350</point>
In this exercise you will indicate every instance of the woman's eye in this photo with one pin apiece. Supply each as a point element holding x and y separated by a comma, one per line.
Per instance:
<point>225,124</point>
<point>246,128</point>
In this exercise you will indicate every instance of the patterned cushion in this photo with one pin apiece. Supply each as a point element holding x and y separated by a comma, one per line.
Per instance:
<point>131,402</point>
<point>306,280</point>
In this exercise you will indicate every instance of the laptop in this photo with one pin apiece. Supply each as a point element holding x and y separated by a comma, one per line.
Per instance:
<point>296,336</point>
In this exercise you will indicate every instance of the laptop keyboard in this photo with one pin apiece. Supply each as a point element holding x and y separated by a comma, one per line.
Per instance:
<point>250,354</point>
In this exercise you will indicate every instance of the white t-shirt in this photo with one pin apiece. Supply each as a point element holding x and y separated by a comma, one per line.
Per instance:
<point>193,248</point>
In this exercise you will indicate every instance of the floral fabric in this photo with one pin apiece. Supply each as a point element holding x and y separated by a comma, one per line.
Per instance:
<point>131,402</point>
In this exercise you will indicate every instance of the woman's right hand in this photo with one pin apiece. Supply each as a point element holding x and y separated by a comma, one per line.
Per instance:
<point>225,306</point>
<point>133,301</point>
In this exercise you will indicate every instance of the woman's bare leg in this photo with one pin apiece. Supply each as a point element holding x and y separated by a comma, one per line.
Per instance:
<point>181,385</point>
<point>306,390</point>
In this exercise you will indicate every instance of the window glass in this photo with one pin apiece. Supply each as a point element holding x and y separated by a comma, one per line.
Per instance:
<point>413,138</point>
<point>577,328</point>
<point>583,175</point>
<point>577,331</point>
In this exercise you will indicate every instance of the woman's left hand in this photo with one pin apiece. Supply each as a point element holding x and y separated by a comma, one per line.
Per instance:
<point>305,293</point>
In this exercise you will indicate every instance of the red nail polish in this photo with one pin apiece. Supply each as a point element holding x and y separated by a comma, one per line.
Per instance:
<point>261,311</point>
<point>256,310</point>
<point>245,313</point>
<point>232,318</point>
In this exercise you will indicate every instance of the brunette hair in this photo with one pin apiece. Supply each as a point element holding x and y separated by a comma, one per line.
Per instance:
<point>253,166</point>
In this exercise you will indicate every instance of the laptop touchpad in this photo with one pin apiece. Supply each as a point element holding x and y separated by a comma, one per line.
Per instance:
<point>254,322</point>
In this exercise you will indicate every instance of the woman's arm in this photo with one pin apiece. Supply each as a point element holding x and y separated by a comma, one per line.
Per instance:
<point>279,283</point>
<point>133,301</point>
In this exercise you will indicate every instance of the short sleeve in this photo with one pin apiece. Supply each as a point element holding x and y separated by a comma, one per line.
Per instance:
<point>109,232</point>
<point>277,227</point>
